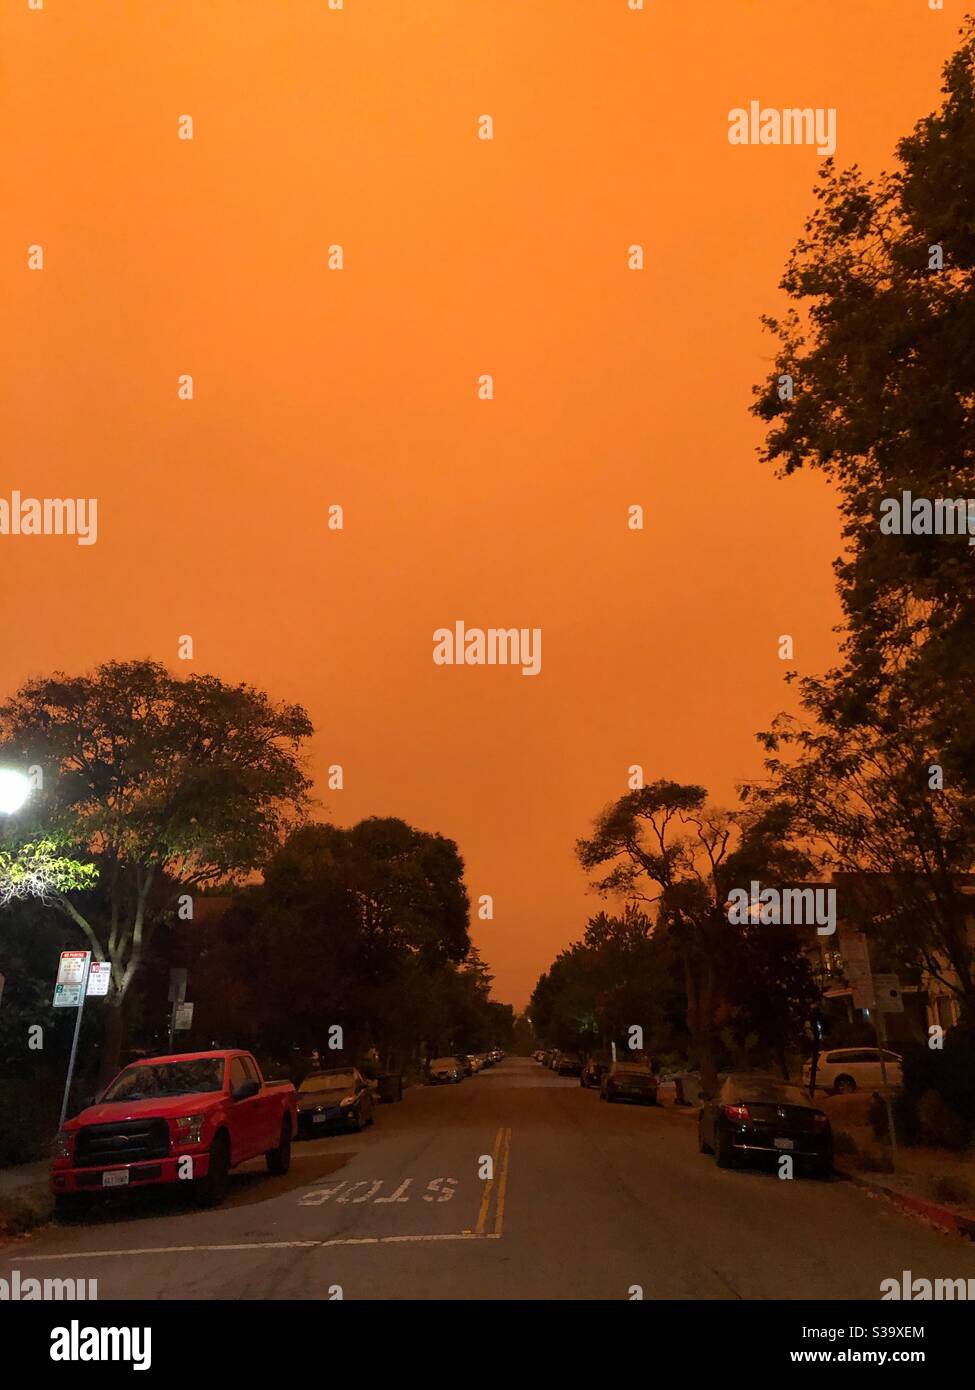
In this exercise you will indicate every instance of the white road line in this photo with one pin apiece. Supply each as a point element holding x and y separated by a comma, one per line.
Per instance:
<point>255,1245</point>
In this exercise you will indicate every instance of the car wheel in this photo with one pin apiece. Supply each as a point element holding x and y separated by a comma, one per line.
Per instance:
<point>702,1147</point>
<point>279,1160</point>
<point>823,1168</point>
<point>211,1190</point>
<point>723,1152</point>
<point>844,1085</point>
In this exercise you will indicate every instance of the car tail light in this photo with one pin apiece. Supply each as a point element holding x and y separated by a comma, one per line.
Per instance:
<point>820,1120</point>
<point>738,1113</point>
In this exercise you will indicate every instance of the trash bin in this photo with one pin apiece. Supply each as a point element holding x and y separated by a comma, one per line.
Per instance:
<point>390,1087</point>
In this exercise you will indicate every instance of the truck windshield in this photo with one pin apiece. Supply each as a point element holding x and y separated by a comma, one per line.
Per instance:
<point>145,1082</point>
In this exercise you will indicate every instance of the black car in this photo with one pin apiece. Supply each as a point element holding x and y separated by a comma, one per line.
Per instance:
<point>629,1081</point>
<point>753,1116</point>
<point>339,1099</point>
<point>568,1064</point>
<point>464,1062</point>
<point>593,1073</point>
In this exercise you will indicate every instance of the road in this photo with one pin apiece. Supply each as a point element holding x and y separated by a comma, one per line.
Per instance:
<point>587,1201</point>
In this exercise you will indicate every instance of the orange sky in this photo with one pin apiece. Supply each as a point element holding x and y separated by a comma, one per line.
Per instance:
<point>358,387</point>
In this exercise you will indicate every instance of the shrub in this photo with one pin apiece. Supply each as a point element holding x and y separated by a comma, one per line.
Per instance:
<point>940,1125</point>
<point>844,1144</point>
<point>875,1160</point>
<point>955,1191</point>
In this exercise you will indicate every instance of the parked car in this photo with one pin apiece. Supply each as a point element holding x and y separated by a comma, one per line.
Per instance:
<point>444,1071</point>
<point>214,1108</point>
<point>847,1069</point>
<point>629,1081</point>
<point>569,1064</point>
<point>337,1099</point>
<point>593,1073</point>
<point>464,1062</point>
<point>760,1115</point>
<point>475,1062</point>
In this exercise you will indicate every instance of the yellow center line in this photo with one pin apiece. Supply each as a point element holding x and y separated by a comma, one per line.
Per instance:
<point>489,1186</point>
<point>502,1184</point>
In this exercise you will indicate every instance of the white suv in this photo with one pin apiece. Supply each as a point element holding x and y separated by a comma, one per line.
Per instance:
<point>849,1069</point>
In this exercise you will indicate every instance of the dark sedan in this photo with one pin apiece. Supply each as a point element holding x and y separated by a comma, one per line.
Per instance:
<point>568,1064</point>
<point>761,1116</point>
<point>339,1099</point>
<point>629,1081</point>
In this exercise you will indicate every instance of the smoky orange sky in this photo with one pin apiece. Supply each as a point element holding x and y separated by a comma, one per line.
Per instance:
<point>359,387</point>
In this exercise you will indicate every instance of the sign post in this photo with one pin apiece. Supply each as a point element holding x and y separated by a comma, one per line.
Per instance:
<point>177,993</point>
<point>69,993</point>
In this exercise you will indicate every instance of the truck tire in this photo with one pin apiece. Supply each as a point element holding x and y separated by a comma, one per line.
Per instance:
<point>71,1206</point>
<point>211,1190</point>
<point>279,1160</point>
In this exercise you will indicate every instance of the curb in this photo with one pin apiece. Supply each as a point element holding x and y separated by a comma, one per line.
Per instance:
<point>938,1215</point>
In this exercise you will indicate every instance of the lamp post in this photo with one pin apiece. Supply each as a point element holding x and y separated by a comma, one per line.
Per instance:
<point>15,788</point>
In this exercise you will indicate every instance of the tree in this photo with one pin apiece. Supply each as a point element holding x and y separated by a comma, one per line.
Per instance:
<point>667,847</point>
<point>364,928</point>
<point>167,785</point>
<point>879,344</point>
<point>861,800</point>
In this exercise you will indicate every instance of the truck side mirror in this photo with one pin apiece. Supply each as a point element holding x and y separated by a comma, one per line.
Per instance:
<point>245,1090</point>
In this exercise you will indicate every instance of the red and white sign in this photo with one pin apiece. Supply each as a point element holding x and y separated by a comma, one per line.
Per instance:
<point>71,969</point>
<point>99,977</point>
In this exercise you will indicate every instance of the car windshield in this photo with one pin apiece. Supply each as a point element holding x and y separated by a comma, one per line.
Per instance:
<point>444,1062</point>
<point>328,1081</point>
<point>633,1068</point>
<point>146,1081</point>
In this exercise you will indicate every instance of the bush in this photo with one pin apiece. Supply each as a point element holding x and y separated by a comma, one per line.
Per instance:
<point>875,1160</point>
<point>906,1120</point>
<point>947,1074</point>
<point>29,1113</point>
<point>957,1192</point>
<point>844,1145</point>
<point>940,1125</point>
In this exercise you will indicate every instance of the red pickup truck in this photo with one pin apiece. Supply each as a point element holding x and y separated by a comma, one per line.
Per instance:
<point>190,1117</point>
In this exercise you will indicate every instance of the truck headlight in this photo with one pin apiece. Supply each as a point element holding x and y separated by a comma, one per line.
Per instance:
<point>62,1144</point>
<point>188,1129</point>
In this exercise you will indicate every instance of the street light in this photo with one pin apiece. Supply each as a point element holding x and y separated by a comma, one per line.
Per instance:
<point>14,790</point>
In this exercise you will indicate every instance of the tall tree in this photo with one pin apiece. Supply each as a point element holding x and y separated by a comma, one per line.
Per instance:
<point>165,784</point>
<point>874,385</point>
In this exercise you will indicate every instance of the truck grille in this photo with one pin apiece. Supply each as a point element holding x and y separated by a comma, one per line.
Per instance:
<point>130,1141</point>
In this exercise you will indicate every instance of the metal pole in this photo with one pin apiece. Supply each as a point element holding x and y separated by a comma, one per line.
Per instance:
<point>172,1024</point>
<point>880,1023</point>
<point>74,1040</point>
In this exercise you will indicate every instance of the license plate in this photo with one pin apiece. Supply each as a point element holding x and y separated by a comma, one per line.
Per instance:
<point>784,1144</point>
<point>119,1177</point>
<point>319,1119</point>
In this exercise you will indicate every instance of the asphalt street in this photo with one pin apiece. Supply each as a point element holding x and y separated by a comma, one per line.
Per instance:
<point>516,1184</point>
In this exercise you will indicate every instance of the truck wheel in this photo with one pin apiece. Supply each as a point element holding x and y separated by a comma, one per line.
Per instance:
<point>211,1190</point>
<point>279,1160</point>
<point>71,1206</point>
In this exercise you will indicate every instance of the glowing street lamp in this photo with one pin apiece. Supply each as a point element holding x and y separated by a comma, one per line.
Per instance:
<point>15,788</point>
